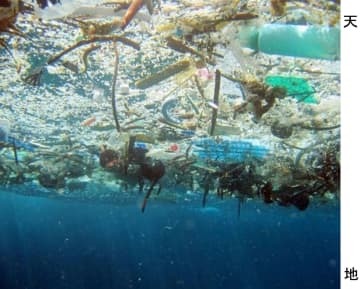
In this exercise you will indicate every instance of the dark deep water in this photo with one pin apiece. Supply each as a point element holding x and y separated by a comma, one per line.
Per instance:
<point>67,245</point>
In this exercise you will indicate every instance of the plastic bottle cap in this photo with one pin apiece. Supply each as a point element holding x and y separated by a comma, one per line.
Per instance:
<point>124,88</point>
<point>173,148</point>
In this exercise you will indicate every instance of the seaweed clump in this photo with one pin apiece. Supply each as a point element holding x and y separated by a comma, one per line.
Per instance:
<point>320,176</point>
<point>260,97</point>
<point>278,7</point>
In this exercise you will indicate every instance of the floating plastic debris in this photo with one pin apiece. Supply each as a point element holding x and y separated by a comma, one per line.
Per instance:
<point>169,123</point>
<point>229,149</point>
<point>10,140</point>
<point>319,42</point>
<point>296,87</point>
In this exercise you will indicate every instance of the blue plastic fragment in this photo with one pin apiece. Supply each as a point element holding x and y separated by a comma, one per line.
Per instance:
<point>20,144</point>
<point>4,137</point>
<point>140,145</point>
<point>187,133</point>
<point>227,149</point>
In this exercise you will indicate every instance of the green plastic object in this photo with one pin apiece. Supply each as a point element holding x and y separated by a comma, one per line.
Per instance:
<point>311,41</point>
<point>295,87</point>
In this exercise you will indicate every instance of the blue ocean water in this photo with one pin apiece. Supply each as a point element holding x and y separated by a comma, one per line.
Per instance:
<point>55,244</point>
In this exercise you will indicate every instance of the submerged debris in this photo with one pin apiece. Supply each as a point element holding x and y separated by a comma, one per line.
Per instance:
<point>216,101</point>
<point>152,170</point>
<point>104,132</point>
<point>113,99</point>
